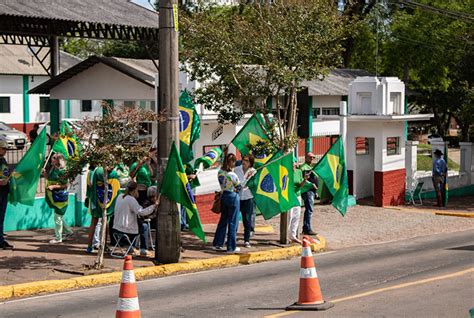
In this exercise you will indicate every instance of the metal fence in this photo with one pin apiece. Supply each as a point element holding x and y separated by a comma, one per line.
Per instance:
<point>14,156</point>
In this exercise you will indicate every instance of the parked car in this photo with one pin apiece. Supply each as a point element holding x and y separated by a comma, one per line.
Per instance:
<point>435,138</point>
<point>14,138</point>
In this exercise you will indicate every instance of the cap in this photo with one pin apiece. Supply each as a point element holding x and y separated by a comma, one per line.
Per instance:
<point>3,144</point>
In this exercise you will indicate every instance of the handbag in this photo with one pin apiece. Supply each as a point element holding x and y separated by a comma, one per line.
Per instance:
<point>216,205</point>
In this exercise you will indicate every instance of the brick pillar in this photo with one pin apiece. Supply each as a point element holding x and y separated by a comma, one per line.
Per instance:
<point>389,187</point>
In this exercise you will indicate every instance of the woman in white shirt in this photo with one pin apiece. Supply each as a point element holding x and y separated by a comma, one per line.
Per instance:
<point>230,206</point>
<point>244,172</point>
<point>127,209</point>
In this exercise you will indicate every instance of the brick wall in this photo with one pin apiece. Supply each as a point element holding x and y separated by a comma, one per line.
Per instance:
<point>389,187</point>
<point>204,204</point>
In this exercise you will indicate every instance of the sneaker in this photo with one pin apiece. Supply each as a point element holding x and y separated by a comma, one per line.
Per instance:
<point>7,246</point>
<point>89,250</point>
<point>247,245</point>
<point>217,248</point>
<point>237,249</point>
<point>252,233</point>
<point>143,252</point>
<point>68,235</point>
<point>55,241</point>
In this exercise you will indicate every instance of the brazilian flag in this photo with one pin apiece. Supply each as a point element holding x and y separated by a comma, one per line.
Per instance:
<point>252,132</point>
<point>67,144</point>
<point>273,187</point>
<point>209,158</point>
<point>24,179</point>
<point>97,194</point>
<point>332,170</point>
<point>189,126</point>
<point>175,186</point>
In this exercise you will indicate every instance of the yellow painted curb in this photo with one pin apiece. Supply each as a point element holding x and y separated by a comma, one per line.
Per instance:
<point>264,229</point>
<point>463,215</point>
<point>53,286</point>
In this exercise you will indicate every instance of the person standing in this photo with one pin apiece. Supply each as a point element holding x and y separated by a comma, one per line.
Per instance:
<point>34,133</point>
<point>309,195</point>
<point>300,183</point>
<point>439,172</point>
<point>57,197</point>
<point>244,172</point>
<point>4,189</point>
<point>230,206</point>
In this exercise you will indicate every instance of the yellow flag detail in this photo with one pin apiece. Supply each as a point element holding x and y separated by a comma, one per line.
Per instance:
<point>336,170</point>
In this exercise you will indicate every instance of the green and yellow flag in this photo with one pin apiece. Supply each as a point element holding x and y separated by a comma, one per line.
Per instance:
<point>252,132</point>
<point>208,159</point>
<point>25,177</point>
<point>273,187</point>
<point>175,186</point>
<point>97,193</point>
<point>332,170</point>
<point>189,127</point>
<point>68,143</point>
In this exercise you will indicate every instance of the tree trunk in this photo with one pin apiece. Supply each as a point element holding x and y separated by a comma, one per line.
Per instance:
<point>99,262</point>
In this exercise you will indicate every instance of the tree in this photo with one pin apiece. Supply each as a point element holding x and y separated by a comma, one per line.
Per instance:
<point>428,44</point>
<point>110,140</point>
<point>247,54</point>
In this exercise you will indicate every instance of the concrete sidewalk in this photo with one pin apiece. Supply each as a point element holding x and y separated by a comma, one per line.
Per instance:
<point>34,259</point>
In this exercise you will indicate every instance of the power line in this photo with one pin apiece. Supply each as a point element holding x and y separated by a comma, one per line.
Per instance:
<point>467,17</point>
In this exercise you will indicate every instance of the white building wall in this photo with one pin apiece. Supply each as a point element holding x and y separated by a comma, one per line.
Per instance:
<point>12,86</point>
<point>393,162</point>
<point>326,101</point>
<point>108,83</point>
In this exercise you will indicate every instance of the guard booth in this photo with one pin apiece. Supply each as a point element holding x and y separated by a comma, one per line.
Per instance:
<point>376,136</point>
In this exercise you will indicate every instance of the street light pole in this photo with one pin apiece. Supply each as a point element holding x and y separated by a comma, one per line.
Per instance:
<point>168,238</point>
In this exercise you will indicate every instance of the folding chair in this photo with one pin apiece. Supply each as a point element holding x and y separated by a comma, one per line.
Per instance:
<point>123,250</point>
<point>416,192</point>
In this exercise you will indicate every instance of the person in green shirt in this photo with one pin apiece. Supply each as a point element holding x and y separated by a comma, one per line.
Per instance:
<point>309,195</point>
<point>301,183</point>
<point>143,173</point>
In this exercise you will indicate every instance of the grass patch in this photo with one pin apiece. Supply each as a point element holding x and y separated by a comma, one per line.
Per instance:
<point>424,147</point>
<point>424,163</point>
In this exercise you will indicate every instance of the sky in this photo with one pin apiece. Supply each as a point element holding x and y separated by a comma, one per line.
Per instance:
<point>143,3</point>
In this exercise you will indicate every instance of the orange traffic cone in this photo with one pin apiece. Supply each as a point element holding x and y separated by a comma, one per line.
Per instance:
<point>310,296</point>
<point>127,306</point>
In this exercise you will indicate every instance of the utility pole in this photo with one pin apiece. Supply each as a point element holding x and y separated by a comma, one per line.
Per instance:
<point>168,238</point>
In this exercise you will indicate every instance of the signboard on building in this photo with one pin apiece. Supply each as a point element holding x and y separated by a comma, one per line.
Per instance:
<point>217,132</point>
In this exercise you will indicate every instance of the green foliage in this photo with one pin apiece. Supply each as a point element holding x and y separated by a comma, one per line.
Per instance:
<point>111,139</point>
<point>425,163</point>
<point>430,48</point>
<point>257,51</point>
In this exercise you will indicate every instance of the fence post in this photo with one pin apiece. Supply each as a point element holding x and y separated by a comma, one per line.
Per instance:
<point>411,149</point>
<point>466,160</point>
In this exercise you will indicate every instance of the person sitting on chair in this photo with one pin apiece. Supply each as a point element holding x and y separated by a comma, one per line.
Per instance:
<point>143,226</point>
<point>127,210</point>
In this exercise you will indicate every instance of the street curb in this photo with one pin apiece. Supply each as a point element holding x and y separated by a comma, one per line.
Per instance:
<point>463,215</point>
<point>434,212</point>
<point>54,286</point>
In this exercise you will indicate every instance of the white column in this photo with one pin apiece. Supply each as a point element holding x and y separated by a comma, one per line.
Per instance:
<point>467,159</point>
<point>411,148</point>
<point>343,125</point>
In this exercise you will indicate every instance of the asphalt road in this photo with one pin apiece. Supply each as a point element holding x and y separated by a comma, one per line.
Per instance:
<point>425,277</point>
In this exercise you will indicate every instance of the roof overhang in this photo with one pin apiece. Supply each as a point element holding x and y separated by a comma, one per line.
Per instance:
<point>379,118</point>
